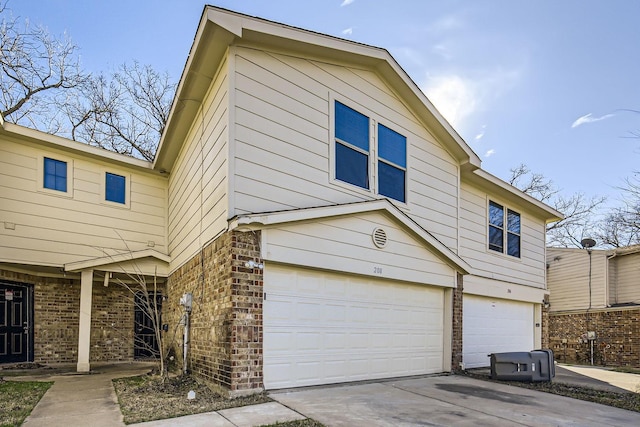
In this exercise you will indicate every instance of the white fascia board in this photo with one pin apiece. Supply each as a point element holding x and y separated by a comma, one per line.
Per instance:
<point>263,220</point>
<point>114,259</point>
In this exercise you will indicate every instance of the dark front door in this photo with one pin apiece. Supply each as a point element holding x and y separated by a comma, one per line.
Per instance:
<point>16,322</point>
<point>146,343</point>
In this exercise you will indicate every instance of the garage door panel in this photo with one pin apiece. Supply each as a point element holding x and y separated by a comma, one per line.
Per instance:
<point>347,328</point>
<point>495,326</point>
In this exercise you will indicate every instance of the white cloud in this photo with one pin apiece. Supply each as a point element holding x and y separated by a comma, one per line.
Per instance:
<point>446,23</point>
<point>458,97</point>
<point>480,134</point>
<point>346,3</point>
<point>347,31</point>
<point>490,153</point>
<point>588,118</point>
<point>455,97</point>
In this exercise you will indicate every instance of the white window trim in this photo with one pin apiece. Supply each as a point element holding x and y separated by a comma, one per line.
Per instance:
<point>127,189</point>
<point>41,188</point>
<point>506,208</point>
<point>374,119</point>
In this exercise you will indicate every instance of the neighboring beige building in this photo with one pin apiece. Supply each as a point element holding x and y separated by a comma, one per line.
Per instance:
<point>329,224</point>
<point>597,291</point>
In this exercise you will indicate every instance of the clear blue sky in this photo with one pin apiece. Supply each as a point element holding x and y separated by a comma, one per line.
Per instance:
<point>540,82</point>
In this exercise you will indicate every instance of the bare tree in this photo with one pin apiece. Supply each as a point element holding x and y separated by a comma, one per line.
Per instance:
<point>621,226</point>
<point>125,112</point>
<point>579,210</point>
<point>34,68</point>
<point>42,86</point>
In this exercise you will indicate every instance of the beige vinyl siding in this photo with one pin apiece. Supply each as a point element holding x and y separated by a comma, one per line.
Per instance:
<point>346,244</point>
<point>198,183</point>
<point>568,279</point>
<point>624,286</point>
<point>527,270</point>
<point>54,229</point>
<point>283,140</point>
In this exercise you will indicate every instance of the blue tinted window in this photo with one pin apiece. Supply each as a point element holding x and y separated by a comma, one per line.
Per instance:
<point>115,188</point>
<point>498,234</point>
<point>496,239</point>
<point>352,127</point>
<point>352,166</point>
<point>55,174</point>
<point>496,214</point>
<point>392,146</point>
<point>513,245</point>
<point>391,182</point>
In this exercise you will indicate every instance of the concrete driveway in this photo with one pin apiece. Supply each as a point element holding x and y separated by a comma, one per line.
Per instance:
<point>447,401</point>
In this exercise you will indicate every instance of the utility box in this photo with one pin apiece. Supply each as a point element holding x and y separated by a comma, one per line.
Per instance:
<point>532,366</point>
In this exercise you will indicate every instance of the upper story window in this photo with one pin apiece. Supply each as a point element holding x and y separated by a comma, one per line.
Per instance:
<point>356,161</point>
<point>352,146</point>
<point>504,230</point>
<point>392,163</point>
<point>55,175</point>
<point>115,188</point>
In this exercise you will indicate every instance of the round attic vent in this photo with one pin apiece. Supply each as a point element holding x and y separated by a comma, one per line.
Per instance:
<point>379,237</point>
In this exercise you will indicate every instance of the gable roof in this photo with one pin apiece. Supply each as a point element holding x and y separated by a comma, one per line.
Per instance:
<point>266,219</point>
<point>221,28</point>
<point>123,262</point>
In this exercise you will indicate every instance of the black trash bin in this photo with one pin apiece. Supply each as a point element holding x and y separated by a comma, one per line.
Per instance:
<point>532,366</point>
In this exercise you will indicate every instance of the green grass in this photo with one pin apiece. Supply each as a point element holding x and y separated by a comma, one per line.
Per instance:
<point>17,400</point>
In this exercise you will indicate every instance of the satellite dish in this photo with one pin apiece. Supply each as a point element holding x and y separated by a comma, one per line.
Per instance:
<point>588,243</point>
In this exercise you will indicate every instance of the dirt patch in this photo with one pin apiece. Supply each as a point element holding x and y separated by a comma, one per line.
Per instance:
<point>147,397</point>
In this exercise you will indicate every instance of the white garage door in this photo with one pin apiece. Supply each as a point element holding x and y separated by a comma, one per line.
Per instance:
<point>322,328</point>
<point>494,326</point>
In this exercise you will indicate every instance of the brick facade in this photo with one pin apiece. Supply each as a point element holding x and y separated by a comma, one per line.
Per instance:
<point>112,326</point>
<point>456,339</point>
<point>617,337</point>
<point>56,319</point>
<point>226,320</point>
<point>545,323</point>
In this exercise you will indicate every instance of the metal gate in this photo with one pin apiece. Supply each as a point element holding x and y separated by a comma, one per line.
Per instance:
<point>146,342</point>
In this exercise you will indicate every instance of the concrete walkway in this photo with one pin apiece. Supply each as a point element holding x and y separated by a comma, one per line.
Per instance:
<point>597,377</point>
<point>90,400</point>
<point>78,400</point>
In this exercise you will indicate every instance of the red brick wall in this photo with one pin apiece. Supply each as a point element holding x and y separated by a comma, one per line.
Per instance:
<point>226,321</point>
<point>617,332</point>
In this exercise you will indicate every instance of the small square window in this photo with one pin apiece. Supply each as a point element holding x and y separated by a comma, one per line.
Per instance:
<point>55,175</point>
<point>115,188</point>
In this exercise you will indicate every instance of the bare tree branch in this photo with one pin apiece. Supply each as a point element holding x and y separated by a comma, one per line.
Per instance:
<point>578,210</point>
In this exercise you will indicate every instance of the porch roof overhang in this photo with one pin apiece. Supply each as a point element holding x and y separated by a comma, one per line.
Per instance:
<point>129,262</point>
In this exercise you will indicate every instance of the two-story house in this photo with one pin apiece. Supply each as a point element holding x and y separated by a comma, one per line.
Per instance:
<point>328,223</point>
<point>594,311</point>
